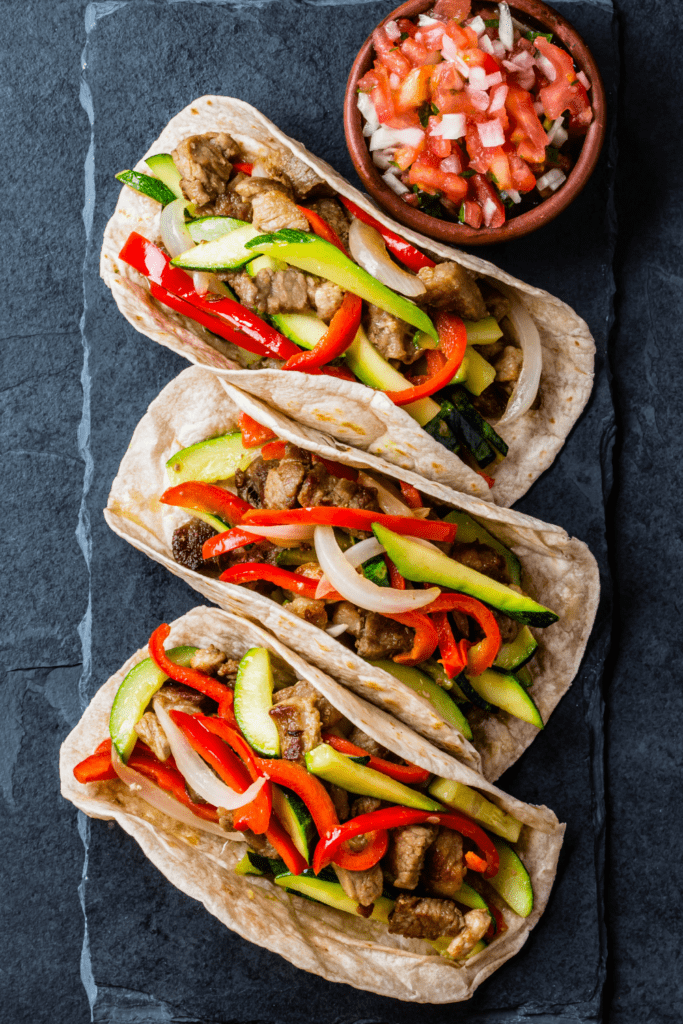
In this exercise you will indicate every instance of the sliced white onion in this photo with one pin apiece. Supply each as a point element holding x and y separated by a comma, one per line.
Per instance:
<point>452,126</point>
<point>526,387</point>
<point>485,44</point>
<point>546,67</point>
<point>394,183</point>
<point>506,32</point>
<point>335,631</point>
<point>367,247</point>
<point>477,25</point>
<point>294,531</point>
<point>392,30</point>
<point>367,109</point>
<point>355,556</point>
<point>177,240</point>
<point>384,158</point>
<point>388,501</point>
<point>491,134</point>
<point>143,787</point>
<point>384,137</point>
<point>197,773</point>
<point>584,80</point>
<point>359,591</point>
<point>552,179</point>
<point>426,543</point>
<point>498,97</point>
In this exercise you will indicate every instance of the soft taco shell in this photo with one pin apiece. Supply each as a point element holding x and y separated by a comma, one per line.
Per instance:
<point>347,410</point>
<point>559,571</point>
<point>316,938</point>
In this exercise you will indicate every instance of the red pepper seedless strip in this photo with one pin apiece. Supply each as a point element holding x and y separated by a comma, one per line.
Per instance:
<point>453,338</point>
<point>207,320</point>
<point>202,497</point>
<point>189,676</point>
<point>404,251</point>
<point>244,168</point>
<point>453,655</point>
<point>273,450</point>
<point>425,641</point>
<point>339,335</point>
<point>253,432</point>
<point>482,655</point>
<point>411,495</point>
<point>397,581</point>
<point>221,543</point>
<point>322,228</point>
<point>248,572</point>
<point>352,519</point>
<point>410,774</point>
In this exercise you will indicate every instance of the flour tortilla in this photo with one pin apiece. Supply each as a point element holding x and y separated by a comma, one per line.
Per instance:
<point>559,571</point>
<point>337,946</point>
<point>347,410</point>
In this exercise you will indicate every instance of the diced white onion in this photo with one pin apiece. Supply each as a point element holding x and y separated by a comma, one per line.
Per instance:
<point>477,25</point>
<point>158,798</point>
<point>584,80</point>
<point>394,80</point>
<point>387,500</point>
<point>367,247</point>
<point>555,129</point>
<point>293,531</point>
<point>526,386</point>
<point>425,20</point>
<point>384,137</point>
<point>491,134</point>
<point>495,79</point>
<point>514,195</point>
<point>452,126</point>
<point>552,179</point>
<point>485,44</point>
<point>383,158</point>
<point>367,109</point>
<point>196,772</point>
<point>394,183</point>
<point>505,30</point>
<point>479,98</point>
<point>560,137</point>
<point>488,210</point>
<point>359,591</point>
<point>545,66</point>
<point>477,78</point>
<point>451,164</point>
<point>392,30</point>
<point>498,97</point>
<point>538,107</point>
<point>499,50</point>
<point>335,631</point>
<point>523,59</point>
<point>450,50</point>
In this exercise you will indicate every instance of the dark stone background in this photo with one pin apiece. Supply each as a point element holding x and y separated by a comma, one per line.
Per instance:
<point>84,91</point>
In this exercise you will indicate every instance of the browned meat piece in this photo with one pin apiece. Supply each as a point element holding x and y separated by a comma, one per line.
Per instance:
<point>445,867</point>
<point>348,614</point>
<point>187,543</point>
<point>150,732</point>
<point>364,805</point>
<point>288,168</point>
<point>508,627</point>
<point>181,698</point>
<point>251,482</point>
<point>509,365</point>
<point>227,673</point>
<point>298,720</point>
<point>259,844</point>
<point>263,551</point>
<point>204,163</point>
<point>322,488</point>
<point>450,286</point>
<point>340,799</point>
<point>272,207</point>
<point>492,402</point>
<point>497,304</point>
<point>229,204</point>
<point>406,855</point>
<point>419,918</point>
<point>208,659</point>
<point>325,296</point>
<point>285,477</point>
<point>279,291</point>
<point>250,187</point>
<point>476,924</point>
<point>364,887</point>
<point>391,337</point>
<point>334,214</point>
<point>329,715</point>
<point>309,610</point>
<point>361,739</point>
<point>382,637</point>
<point>482,558</point>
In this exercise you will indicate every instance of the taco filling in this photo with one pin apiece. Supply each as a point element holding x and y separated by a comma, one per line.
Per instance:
<point>267,257</point>
<point>325,811</point>
<point>428,594</point>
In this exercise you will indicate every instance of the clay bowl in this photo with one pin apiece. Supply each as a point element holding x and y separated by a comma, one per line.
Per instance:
<point>537,15</point>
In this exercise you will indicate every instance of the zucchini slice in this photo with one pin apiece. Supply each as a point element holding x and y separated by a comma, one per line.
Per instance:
<point>514,655</point>
<point>226,253</point>
<point>507,693</point>
<point>253,701</point>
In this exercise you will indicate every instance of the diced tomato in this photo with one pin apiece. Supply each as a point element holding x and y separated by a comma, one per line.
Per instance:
<point>493,211</point>
<point>427,175</point>
<point>479,156</point>
<point>418,54</point>
<point>523,179</point>
<point>408,119</point>
<point>499,168</point>
<point>435,144</point>
<point>407,27</point>
<point>472,213</point>
<point>368,82</point>
<point>462,37</point>
<point>389,54</point>
<point>430,36</point>
<point>474,57</point>
<point>565,93</point>
<point>406,155</point>
<point>381,94</point>
<point>520,105</point>
<point>490,64</point>
<point>580,111</point>
<point>413,90</point>
<point>458,9</point>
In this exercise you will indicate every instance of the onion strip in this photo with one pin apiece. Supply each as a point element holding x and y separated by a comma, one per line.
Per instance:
<point>158,798</point>
<point>355,556</point>
<point>367,247</point>
<point>177,240</point>
<point>388,502</point>
<point>291,532</point>
<point>197,773</point>
<point>359,591</point>
<point>526,387</point>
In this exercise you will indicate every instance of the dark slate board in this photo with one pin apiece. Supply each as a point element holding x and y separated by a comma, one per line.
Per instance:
<point>150,953</point>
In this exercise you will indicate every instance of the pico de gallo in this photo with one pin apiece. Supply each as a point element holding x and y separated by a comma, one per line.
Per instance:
<point>246,751</point>
<point>429,595</point>
<point>472,116</point>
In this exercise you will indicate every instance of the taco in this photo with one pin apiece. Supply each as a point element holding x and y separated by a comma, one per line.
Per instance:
<point>224,756</point>
<point>446,365</point>
<point>511,589</point>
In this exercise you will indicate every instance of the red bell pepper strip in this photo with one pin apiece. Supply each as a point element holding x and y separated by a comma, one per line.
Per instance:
<point>322,228</point>
<point>339,335</point>
<point>453,339</point>
<point>149,260</point>
<point>340,372</point>
<point>352,519</point>
<point>411,257</point>
<point>394,817</point>
<point>475,862</point>
<point>229,768</point>
<point>96,768</point>
<point>221,543</point>
<point>247,572</point>
<point>253,432</point>
<point>189,676</point>
<point>411,495</point>
<point>337,468</point>
<point>210,322</point>
<point>482,655</point>
<point>244,168</point>
<point>273,450</point>
<point>498,925</point>
<point>425,640</point>
<point>201,497</point>
<point>453,655</point>
<point>397,581</point>
<point>280,839</point>
<point>371,854</point>
<point>410,774</point>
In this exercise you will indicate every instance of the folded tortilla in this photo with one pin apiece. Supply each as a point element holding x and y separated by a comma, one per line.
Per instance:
<point>346,410</point>
<point>337,946</point>
<point>558,571</point>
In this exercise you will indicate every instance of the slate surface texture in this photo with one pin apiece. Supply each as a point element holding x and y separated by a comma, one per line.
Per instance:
<point>90,930</point>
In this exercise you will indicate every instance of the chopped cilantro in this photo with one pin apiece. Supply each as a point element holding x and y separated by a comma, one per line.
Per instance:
<point>491,176</point>
<point>468,173</point>
<point>435,109</point>
<point>461,213</point>
<point>491,22</point>
<point>534,35</point>
<point>552,154</point>
<point>404,35</point>
<point>506,199</point>
<point>423,114</point>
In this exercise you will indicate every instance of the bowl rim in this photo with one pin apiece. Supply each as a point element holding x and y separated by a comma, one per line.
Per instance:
<point>525,223</point>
